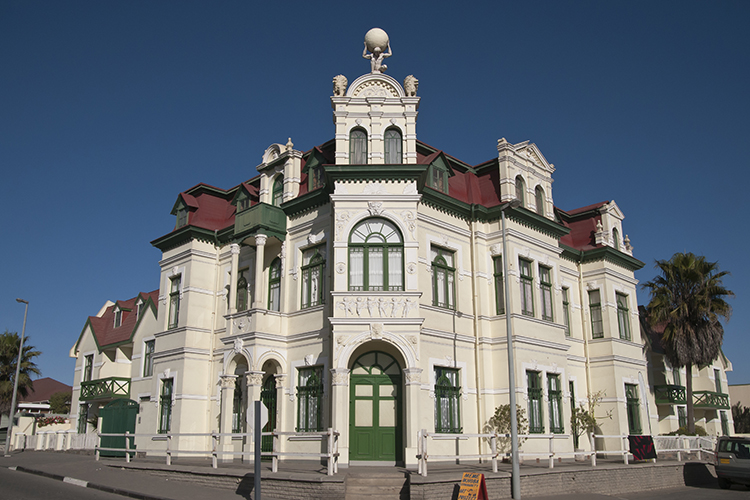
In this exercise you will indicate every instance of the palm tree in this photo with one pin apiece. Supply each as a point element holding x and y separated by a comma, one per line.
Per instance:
<point>9,342</point>
<point>688,300</point>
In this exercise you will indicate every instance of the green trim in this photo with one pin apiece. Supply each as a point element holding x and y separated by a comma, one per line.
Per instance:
<point>374,172</point>
<point>306,202</point>
<point>260,218</point>
<point>183,235</point>
<point>604,253</point>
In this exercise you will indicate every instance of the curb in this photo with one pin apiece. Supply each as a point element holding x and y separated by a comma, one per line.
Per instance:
<point>86,484</point>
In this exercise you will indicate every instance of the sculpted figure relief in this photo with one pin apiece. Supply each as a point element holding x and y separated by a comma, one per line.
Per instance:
<point>376,41</point>
<point>339,85</point>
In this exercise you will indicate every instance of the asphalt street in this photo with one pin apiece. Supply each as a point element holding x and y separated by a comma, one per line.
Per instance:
<point>18,485</point>
<point>685,493</point>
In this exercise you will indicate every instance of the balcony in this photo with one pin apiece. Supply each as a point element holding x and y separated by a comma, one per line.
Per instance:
<point>670,395</point>
<point>105,388</point>
<point>261,218</point>
<point>709,399</point>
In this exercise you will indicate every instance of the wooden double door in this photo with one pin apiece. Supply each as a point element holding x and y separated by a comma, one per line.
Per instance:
<point>375,412</point>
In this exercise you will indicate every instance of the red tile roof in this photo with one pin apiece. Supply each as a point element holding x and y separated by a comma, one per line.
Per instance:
<point>582,224</point>
<point>104,326</point>
<point>44,388</point>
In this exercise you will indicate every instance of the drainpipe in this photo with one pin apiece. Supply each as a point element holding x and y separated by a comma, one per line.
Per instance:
<point>209,383</point>
<point>477,358</point>
<point>583,325</point>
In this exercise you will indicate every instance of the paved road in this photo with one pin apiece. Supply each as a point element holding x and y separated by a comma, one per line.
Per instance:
<point>686,493</point>
<point>22,486</point>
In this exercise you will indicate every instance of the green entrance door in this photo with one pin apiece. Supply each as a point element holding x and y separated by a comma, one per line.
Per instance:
<point>268,398</point>
<point>375,431</point>
<point>118,417</point>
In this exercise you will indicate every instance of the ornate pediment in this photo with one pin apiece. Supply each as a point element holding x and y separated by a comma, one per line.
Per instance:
<point>375,85</point>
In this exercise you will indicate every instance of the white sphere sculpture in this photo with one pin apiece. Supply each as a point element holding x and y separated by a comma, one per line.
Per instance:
<point>376,38</point>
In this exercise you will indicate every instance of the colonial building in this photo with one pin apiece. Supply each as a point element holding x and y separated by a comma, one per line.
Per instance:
<point>359,285</point>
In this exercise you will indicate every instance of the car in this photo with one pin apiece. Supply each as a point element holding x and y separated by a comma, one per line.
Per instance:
<point>732,461</point>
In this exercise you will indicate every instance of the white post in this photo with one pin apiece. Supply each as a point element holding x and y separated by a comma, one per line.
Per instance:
<point>625,450</point>
<point>419,452</point>
<point>99,438</point>
<point>551,451</point>
<point>593,449</point>
<point>424,452</point>
<point>330,451</point>
<point>169,453</point>
<point>275,449</point>
<point>493,446</point>
<point>214,454</point>
<point>127,446</point>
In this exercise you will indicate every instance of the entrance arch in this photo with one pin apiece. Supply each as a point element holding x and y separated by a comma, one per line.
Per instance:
<point>376,409</point>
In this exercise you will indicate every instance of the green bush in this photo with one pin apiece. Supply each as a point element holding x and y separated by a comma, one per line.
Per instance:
<point>683,431</point>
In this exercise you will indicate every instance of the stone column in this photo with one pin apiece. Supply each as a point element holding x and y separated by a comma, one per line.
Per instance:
<point>260,286</point>
<point>227,383</point>
<point>340,410</point>
<point>411,424</point>
<point>254,381</point>
<point>235,248</point>
<point>280,405</point>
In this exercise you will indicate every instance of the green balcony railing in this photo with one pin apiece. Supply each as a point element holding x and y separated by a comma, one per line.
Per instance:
<point>261,218</point>
<point>709,399</point>
<point>105,388</point>
<point>670,395</point>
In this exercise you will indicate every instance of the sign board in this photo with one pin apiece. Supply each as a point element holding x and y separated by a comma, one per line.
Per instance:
<point>263,416</point>
<point>472,487</point>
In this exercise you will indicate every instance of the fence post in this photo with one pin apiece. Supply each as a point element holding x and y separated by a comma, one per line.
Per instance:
<point>592,438</point>
<point>493,446</point>
<point>680,443</point>
<point>214,458</point>
<point>274,449</point>
<point>99,438</point>
<point>127,446</point>
<point>424,452</point>
<point>625,450</point>
<point>169,452</point>
<point>336,452</point>
<point>330,451</point>
<point>552,451</point>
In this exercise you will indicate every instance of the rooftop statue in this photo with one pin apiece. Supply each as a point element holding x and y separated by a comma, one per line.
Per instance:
<point>376,41</point>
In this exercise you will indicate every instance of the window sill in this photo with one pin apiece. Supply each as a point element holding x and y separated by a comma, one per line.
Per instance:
<point>316,437</point>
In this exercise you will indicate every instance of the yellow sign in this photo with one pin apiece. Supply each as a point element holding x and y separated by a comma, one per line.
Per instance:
<point>472,487</point>
<point>725,460</point>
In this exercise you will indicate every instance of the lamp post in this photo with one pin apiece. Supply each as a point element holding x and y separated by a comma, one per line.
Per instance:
<point>516,470</point>
<point>15,381</point>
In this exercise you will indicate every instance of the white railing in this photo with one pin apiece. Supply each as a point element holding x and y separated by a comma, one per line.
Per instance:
<point>55,441</point>
<point>216,452</point>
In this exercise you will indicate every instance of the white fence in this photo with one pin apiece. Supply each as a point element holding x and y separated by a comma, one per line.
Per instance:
<point>677,444</point>
<point>55,441</point>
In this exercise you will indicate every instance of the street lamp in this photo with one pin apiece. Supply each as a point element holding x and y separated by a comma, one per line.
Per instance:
<point>516,471</point>
<point>15,381</point>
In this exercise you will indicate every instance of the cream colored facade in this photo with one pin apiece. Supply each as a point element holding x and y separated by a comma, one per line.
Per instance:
<point>226,338</point>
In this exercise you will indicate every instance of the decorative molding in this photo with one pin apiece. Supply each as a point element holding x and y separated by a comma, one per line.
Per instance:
<point>375,207</point>
<point>340,267</point>
<point>340,376</point>
<point>411,268</point>
<point>254,378</point>
<point>374,307</point>
<point>342,219</point>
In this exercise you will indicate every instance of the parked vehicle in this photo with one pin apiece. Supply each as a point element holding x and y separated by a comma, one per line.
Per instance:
<point>733,461</point>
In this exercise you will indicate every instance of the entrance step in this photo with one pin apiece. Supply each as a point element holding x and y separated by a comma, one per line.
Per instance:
<point>391,485</point>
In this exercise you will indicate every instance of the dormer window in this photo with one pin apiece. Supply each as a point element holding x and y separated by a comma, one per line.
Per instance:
<point>439,178</point>
<point>315,178</point>
<point>277,197</point>
<point>393,147</point>
<point>243,204</point>
<point>539,195</point>
<point>138,309</point>
<point>182,217</point>
<point>118,317</point>
<point>358,147</point>
<point>520,189</point>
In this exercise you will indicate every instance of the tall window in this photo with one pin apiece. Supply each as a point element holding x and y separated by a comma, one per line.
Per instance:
<point>634,408</point>
<point>539,195</point>
<point>682,416</point>
<point>534,387</point>
<point>243,289</point>
<point>274,285</point>
<point>595,306</point>
<point>724,423</point>
<point>520,190</point>
<point>148,358</point>
<point>717,379</point>
<point>676,376</point>
<point>310,399</point>
<point>118,318</point>
<point>499,285</point>
<point>277,196</point>
<point>616,238</point>
<point>88,367</point>
<point>443,277</point>
<point>139,309</point>
<point>83,415</point>
<point>447,392</point>
<point>313,263</point>
<point>238,413</point>
<point>315,177</point>
<point>623,320</point>
<point>566,310</point>
<point>545,284</point>
<point>438,178</point>
<point>165,406</point>
<point>174,301</point>
<point>376,257</point>
<point>554,393</point>
<point>527,282</point>
<point>392,146</point>
<point>358,147</point>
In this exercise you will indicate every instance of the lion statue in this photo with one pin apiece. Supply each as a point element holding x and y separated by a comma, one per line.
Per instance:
<point>339,85</point>
<point>410,85</point>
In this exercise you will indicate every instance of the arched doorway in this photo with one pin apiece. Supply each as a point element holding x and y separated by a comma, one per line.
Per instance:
<point>268,398</point>
<point>375,411</point>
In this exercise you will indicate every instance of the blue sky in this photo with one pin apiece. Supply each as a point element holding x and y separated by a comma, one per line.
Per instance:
<point>109,109</point>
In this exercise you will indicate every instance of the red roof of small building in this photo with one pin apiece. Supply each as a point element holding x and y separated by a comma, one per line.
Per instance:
<point>582,224</point>
<point>104,328</point>
<point>43,389</point>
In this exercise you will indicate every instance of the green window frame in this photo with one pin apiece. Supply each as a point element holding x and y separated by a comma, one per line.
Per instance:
<point>376,257</point>
<point>566,310</point>
<point>393,146</point>
<point>83,414</point>
<point>545,285</point>
<point>521,190</point>
<point>243,202</point>
<point>148,357</point>
<point>118,318</point>
<point>88,367</point>
<point>682,416</point>
<point>554,394</point>
<point>623,316</point>
<point>527,287</point>
<point>717,380</point>
<point>174,301</point>
<point>676,378</point>
<point>315,178</point>
<point>595,307</point>
<point>357,147</point>
<point>499,285</point>
<point>724,423</point>
<point>539,197</point>
<point>182,216</point>
<point>443,278</point>
<point>438,178</point>
<point>238,409</point>
<point>165,405</point>
<point>447,401</point>
<point>274,285</point>
<point>310,399</point>
<point>534,392</point>
<point>277,195</point>
<point>313,278</point>
<point>633,408</point>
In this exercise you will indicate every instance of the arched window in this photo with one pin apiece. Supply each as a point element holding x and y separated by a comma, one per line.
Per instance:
<point>393,146</point>
<point>539,193</point>
<point>358,147</point>
<point>277,196</point>
<point>274,285</point>
<point>520,190</point>
<point>616,238</point>
<point>376,257</point>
